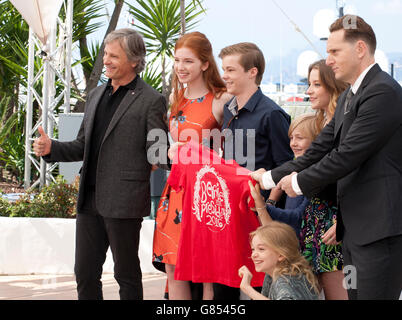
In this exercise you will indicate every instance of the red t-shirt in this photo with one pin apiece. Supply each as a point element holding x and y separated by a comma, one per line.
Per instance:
<point>216,221</point>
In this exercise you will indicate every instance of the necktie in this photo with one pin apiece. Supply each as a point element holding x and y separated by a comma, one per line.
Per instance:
<point>349,96</point>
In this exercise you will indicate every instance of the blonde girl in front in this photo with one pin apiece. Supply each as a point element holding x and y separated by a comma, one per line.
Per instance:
<point>275,251</point>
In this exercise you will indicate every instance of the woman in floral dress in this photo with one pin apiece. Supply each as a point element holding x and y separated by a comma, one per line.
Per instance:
<point>318,229</point>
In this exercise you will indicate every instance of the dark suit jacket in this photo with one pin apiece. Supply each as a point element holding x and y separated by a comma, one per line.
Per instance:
<point>361,151</point>
<point>122,178</point>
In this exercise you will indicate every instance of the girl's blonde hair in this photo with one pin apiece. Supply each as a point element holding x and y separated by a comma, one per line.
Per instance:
<point>307,124</point>
<point>282,238</point>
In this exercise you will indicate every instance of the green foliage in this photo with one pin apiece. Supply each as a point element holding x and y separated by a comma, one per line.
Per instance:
<point>152,76</point>
<point>6,122</point>
<point>12,156</point>
<point>12,139</point>
<point>89,56</point>
<point>13,33</point>
<point>57,200</point>
<point>84,15</point>
<point>159,21</point>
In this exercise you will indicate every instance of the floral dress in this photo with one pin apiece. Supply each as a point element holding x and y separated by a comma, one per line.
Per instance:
<point>195,114</point>
<point>319,216</point>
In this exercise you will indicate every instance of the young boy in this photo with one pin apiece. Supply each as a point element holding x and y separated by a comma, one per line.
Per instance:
<point>255,127</point>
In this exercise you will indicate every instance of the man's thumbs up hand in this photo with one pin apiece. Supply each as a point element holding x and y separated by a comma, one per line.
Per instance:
<point>42,145</point>
<point>41,131</point>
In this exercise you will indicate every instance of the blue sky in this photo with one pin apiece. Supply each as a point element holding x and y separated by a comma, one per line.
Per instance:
<point>260,21</point>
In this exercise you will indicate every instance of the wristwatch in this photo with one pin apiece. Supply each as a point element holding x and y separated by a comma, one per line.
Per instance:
<point>270,202</point>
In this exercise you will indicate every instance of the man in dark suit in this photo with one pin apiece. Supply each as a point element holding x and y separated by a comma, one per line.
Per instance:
<point>360,150</point>
<point>114,192</point>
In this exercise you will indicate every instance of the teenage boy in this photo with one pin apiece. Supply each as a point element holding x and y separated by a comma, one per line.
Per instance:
<point>255,127</point>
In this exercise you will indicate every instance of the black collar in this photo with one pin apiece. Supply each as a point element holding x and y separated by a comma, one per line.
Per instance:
<point>128,86</point>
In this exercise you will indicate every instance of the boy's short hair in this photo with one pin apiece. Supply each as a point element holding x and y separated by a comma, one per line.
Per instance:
<point>250,56</point>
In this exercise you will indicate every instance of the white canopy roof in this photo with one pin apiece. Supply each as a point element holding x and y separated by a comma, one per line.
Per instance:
<point>40,15</point>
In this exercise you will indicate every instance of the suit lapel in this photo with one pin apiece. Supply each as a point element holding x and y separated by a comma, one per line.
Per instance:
<point>344,121</point>
<point>126,103</point>
<point>339,114</point>
<point>349,117</point>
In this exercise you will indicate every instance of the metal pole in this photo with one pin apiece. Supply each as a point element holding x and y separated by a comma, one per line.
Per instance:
<point>29,111</point>
<point>52,66</point>
<point>182,17</point>
<point>45,107</point>
<point>69,36</point>
<point>50,83</point>
<point>340,4</point>
<point>51,80</point>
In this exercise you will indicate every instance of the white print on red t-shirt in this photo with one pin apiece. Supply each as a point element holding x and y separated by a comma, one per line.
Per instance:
<point>211,199</point>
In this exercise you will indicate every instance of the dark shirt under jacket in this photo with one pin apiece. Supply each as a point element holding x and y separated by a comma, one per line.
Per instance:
<point>108,105</point>
<point>271,124</point>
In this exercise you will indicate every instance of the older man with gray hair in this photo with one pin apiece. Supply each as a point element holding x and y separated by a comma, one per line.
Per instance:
<point>114,192</point>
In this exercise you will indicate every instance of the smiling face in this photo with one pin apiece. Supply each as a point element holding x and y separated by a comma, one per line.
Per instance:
<point>319,95</point>
<point>343,57</point>
<point>236,78</point>
<point>299,142</point>
<point>118,67</point>
<point>187,66</point>
<point>265,259</point>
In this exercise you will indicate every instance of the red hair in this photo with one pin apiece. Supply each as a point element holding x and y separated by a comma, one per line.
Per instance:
<point>202,48</point>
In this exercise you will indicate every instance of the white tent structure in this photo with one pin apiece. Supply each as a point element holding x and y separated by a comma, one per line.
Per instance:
<point>304,60</point>
<point>40,15</point>
<point>51,39</point>
<point>322,21</point>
